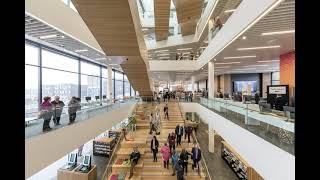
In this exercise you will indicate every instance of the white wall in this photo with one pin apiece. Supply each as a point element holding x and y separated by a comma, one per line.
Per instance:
<point>43,150</point>
<point>271,162</point>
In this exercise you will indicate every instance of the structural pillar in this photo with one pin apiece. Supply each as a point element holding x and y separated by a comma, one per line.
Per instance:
<point>211,80</point>
<point>193,83</point>
<point>110,88</point>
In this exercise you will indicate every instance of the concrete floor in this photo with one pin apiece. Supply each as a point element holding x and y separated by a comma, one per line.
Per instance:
<point>217,167</point>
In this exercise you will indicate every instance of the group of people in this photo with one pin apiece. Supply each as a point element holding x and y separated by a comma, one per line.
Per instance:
<point>53,110</point>
<point>179,161</point>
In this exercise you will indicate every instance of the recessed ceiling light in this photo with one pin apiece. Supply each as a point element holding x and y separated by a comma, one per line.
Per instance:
<point>228,63</point>
<point>161,51</point>
<point>101,58</point>
<point>239,57</point>
<point>245,69</point>
<point>48,36</point>
<point>62,36</point>
<point>81,50</point>
<point>144,29</point>
<point>256,65</point>
<point>260,47</point>
<point>268,61</point>
<point>203,47</point>
<point>113,64</point>
<point>278,32</point>
<point>214,59</point>
<point>220,67</point>
<point>230,10</point>
<point>163,54</point>
<point>244,37</point>
<point>183,49</point>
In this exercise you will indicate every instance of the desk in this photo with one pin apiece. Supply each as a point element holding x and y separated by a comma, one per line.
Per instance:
<point>74,175</point>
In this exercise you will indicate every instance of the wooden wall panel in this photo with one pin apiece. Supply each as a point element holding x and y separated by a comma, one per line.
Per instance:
<point>161,18</point>
<point>116,26</point>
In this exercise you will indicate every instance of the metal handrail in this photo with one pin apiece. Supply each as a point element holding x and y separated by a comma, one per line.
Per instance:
<point>195,138</point>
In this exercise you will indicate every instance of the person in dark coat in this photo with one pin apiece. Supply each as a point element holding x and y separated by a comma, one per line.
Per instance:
<point>179,133</point>
<point>154,148</point>
<point>179,169</point>
<point>184,157</point>
<point>46,113</point>
<point>196,157</point>
<point>57,106</point>
<point>166,111</point>
<point>256,98</point>
<point>172,141</point>
<point>189,130</point>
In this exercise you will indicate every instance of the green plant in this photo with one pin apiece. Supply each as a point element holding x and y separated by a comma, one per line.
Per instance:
<point>134,120</point>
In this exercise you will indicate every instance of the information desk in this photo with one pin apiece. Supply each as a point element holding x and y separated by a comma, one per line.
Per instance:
<point>76,175</point>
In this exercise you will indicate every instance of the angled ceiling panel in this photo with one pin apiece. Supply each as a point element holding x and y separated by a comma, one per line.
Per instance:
<point>188,14</point>
<point>115,25</point>
<point>161,18</point>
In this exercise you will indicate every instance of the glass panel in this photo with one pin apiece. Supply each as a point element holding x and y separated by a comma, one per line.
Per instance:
<point>31,55</point>
<point>57,61</point>
<point>125,77</point>
<point>118,76</point>
<point>132,91</point>
<point>63,84</point>
<point>104,72</point>
<point>90,69</point>
<point>31,90</point>
<point>126,88</point>
<point>119,89</point>
<point>275,76</point>
<point>104,87</point>
<point>90,87</point>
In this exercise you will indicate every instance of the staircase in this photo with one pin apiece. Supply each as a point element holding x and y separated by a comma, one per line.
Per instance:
<point>146,169</point>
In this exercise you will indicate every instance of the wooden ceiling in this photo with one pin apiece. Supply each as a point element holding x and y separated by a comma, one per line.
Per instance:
<point>161,18</point>
<point>188,14</point>
<point>115,26</point>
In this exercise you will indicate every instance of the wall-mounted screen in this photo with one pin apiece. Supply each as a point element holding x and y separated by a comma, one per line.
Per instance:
<point>240,86</point>
<point>277,90</point>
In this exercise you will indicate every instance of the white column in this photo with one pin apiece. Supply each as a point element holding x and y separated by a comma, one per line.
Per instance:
<point>110,88</point>
<point>211,137</point>
<point>193,83</point>
<point>211,80</point>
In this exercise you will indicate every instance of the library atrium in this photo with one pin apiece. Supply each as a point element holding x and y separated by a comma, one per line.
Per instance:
<point>159,89</point>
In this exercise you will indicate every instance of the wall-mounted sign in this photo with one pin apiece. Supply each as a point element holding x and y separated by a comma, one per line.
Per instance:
<point>277,90</point>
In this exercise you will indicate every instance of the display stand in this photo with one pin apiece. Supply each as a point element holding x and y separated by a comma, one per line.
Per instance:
<point>77,175</point>
<point>103,146</point>
<point>238,165</point>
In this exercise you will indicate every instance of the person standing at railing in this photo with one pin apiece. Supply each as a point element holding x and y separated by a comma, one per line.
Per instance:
<point>165,151</point>
<point>46,113</point>
<point>196,157</point>
<point>57,109</point>
<point>154,148</point>
<point>73,106</point>
<point>179,133</point>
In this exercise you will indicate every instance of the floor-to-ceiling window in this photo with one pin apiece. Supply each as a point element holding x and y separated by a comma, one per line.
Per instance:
<point>104,81</point>
<point>275,78</point>
<point>59,76</point>
<point>90,80</point>
<point>126,86</point>
<point>118,85</point>
<point>31,80</point>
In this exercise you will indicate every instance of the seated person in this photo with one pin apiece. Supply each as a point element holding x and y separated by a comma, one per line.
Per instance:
<point>134,157</point>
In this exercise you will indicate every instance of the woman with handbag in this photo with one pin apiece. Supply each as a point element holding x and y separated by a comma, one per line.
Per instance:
<point>46,113</point>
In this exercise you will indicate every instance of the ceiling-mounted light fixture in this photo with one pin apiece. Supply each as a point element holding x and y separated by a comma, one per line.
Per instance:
<point>101,58</point>
<point>221,67</point>
<point>239,57</point>
<point>259,47</point>
<point>278,32</point>
<point>258,65</point>
<point>268,61</point>
<point>230,10</point>
<point>48,36</point>
<point>244,37</point>
<point>228,63</point>
<point>81,50</point>
<point>183,49</point>
<point>161,50</point>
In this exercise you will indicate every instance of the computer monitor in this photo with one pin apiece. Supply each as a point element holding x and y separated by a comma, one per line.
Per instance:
<point>78,99</point>
<point>264,107</point>
<point>87,161</point>
<point>88,98</point>
<point>104,97</point>
<point>72,158</point>
<point>97,97</point>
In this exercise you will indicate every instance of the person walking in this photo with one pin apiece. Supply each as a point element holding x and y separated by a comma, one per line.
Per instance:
<point>134,158</point>
<point>196,157</point>
<point>57,110</point>
<point>172,141</point>
<point>189,130</point>
<point>174,159</point>
<point>165,151</point>
<point>151,120</point>
<point>46,113</point>
<point>156,123</point>
<point>179,133</point>
<point>73,106</point>
<point>166,111</point>
<point>154,148</point>
<point>179,169</point>
<point>184,156</point>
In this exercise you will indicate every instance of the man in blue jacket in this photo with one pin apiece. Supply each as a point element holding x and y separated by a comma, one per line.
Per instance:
<point>196,157</point>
